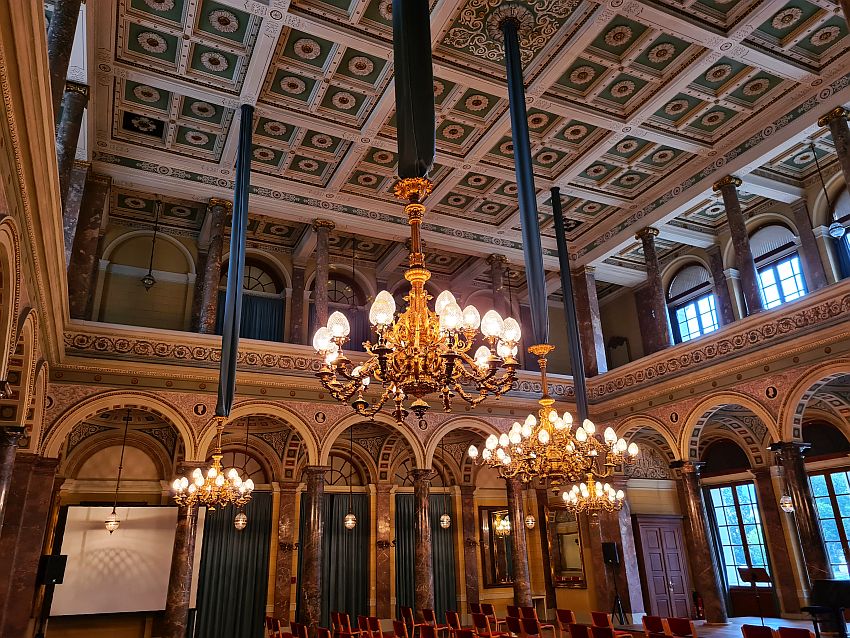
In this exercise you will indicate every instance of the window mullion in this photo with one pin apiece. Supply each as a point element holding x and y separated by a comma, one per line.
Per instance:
<point>839,521</point>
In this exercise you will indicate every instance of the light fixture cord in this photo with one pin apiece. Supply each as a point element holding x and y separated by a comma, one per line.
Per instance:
<point>121,460</point>
<point>820,175</point>
<point>157,210</point>
<point>443,460</point>
<point>350,464</point>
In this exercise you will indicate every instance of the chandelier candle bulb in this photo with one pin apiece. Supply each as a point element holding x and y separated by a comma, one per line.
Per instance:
<point>492,324</point>
<point>444,299</point>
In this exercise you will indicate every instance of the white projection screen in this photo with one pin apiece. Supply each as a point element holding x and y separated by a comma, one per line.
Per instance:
<point>126,571</point>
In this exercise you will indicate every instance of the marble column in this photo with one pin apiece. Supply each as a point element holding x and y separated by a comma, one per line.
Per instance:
<point>82,267</point>
<point>655,308</point>
<point>423,571</point>
<point>67,135</point>
<point>323,227</point>
<point>519,544</point>
<point>73,203</point>
<point>176,617</point>
<point>589,321</point>
<point>60,41</point>
<point>29,532</point>
<point>296,310</point>
<point>218,209</point>
<point>722,298</point>
<point>704,565</point>
<point>592,536</point>
<point>8,445</point>
<point>542,498</point>
<point>780,555</point>
<point>728,189</point>
<point>383,550</point>
<point>469,529</point>
<point>836,120</point>
<point>198,294</point>
<point>808,529</point>
<point>498,263</point>
<point>809,253</point>
<point>311,548</point>
<point>286,533</point>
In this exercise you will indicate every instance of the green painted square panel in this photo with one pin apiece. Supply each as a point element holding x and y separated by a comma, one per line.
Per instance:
<point>476,103</point>
<point>456,200</point>
<point>804,158</point>
<point>202,111</point>
<point>380,11</point>
<point>155,44</point>
<point>720,74</point>
<point>148,96</point>
<point>366,179</point>
<point>582,75</point>
<point>630,179</point>
<point>662,51</point>
<point>343,101</point>
<point>754,88</point>
<point>661,156</point>
<point>508,189</point>
<point>622,89</point>
<point>575,132</point>
<point>361,66</point>
<point>541,122</point>
<point>380,157</point>
<point>308,165</point>
<point>151,127</point>
<point>454,132</point>
<point>618,36</point>
<point>598,171</point>
<point>504,148</point>
<point>678,107</point>
<point>307,49</point>
<point>442,89</point>
<point>134,203</point>
<point>628,147</point>
<point>223,21</point>
<point>195,139</point>
<point>266,155</point>
<point>215,62</point>
<point>589,208</point>
<point>477,181</point>
<point>548,158</point>
<point>825,36</point>
<point>274,129</point>
<point>321,142</point>
<point>713,118</point>
<point>789,18</point>
<point>292,85</point>
<point>170,10</point>
<point>490,208</point>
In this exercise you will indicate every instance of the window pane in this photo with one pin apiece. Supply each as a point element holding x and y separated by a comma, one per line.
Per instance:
<point>841,482</point>
<point>832,503</point>
<point>819,485</point>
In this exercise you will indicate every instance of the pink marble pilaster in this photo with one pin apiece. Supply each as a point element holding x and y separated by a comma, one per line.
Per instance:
<point>176,617</point>
<point>286,532</point>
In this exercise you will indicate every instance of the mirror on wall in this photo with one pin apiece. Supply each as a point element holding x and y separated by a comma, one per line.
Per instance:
<point>565,549</point>
<point>496,553</point>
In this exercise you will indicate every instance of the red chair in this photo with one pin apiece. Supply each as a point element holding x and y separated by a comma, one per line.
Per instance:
<point>531,628</point>
<point>684,628</point>
<point>323,632</point>
<point>474,608</point>
<point>410,621</point>
<point>272,628</point>
<point>342,626</point>
<point>375,628</point>
<point>453,622</point>
<point>531,612</point>
<point>481,623</point>
<point>399,629</point>
<point>602,619</point>
<point>515,626</point>
<point>565,618</point>
<point>464,633</point>
<point>794,632</point>
<point>431,619</point>
<point>579,631</point>
<point>654,627</point>
<point>427,631</point>
<point>513,610</point>
<point>490,611</point>
<point>757,631</point>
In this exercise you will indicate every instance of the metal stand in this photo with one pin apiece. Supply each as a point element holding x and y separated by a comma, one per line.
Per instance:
<point>617,608</point>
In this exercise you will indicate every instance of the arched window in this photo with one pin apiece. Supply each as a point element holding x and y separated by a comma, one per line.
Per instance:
<point>247,465</point>
<point>774,249</point>
<point>342,472</point>
<point>262,303</point>
<point>690,301</point>
<point>348,298</point>
<point>841,215</point>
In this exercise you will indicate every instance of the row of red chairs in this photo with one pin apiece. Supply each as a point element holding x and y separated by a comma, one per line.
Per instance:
<point>759,631</point>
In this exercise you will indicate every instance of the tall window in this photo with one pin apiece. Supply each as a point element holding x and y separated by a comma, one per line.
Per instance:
<point>739,530</point>
<point>781,279</point>
<point>691,304</point>
<point>831,491</point>
<point>262,304</point>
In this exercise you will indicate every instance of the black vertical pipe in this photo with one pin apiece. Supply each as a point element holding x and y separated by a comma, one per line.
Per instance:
<point>235,266</point>
<point>532,247</point>
<point>573,337</point>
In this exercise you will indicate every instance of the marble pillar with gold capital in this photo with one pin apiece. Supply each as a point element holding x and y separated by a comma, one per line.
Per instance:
<point>519,543</point>
<point>836,120</point>
<point>498,263</point>
<point>323,227</point>
<point>656,304</point>
<point>176,617</point>
<point>423,572</point>
<point>311,547</point>
<point>217,209</point>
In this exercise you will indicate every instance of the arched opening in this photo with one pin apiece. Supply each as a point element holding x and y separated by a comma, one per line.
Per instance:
<point>838,231</point>
<point>780,272</point>
<point>346,296</point>
<point>263,302</point>
<point>724,456</point>
<point>691,304</point>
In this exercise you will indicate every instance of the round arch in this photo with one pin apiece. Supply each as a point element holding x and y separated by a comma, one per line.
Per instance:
<point>673,268</point>
<point>353,419</point>
<point>10,292</point>
<point>266,259</point>
<point>695,419</point>
<point>475,424</point>
<point>103,440</point>
<point>258,408</point>
<point>361,458</point>
<point>792,407</point>
<point>368,287</point>
<point>35,417</point>
<point>632,426</point>
<point>28,332</point>
<point>258,450</point>
<point>754,223</point>
<point>484,295</point>
<point>820,211</point>
<point>115,400</point>
<point>133,234</point>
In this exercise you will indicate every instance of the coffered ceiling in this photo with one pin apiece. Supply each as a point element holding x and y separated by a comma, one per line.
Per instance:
<point>635,108</point>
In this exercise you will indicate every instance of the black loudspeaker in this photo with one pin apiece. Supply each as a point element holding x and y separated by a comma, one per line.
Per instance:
<point>610,554</point>
<point>51,569</point>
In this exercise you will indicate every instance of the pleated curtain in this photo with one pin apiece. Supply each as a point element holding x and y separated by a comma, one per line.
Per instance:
<point>262,317</point>
<point>358,320</point>
<point>842,250</point>
<point>345,567</point>
<point>442,549</point>
<point>234,572</point>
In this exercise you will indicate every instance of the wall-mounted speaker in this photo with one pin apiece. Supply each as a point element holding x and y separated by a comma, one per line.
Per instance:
<point>610,554</point>
<point>51,569</point>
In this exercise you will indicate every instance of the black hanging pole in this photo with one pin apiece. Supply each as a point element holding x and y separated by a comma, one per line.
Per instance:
<point>573,337</point>
<point>235,266</point>
<point>527,194</point>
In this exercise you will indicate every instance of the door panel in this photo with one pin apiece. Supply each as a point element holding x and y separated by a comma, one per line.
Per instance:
<point>664,565</point>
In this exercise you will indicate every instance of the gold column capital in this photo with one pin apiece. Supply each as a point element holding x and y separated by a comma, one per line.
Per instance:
<point>834,114</point>
<point>497,259</point>
<point>77,87</point>
<point>323,223</point>
<point>729,180</point>
<point>649,231</point>
<point>224,203</point>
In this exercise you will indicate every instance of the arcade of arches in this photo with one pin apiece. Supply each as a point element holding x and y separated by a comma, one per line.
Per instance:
<point>711,292</point>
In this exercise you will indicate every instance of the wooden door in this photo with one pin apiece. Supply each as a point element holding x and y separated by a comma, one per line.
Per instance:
<point>664,566</point>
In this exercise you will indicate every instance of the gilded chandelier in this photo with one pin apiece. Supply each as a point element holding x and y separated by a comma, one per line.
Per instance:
<point>420,351</point>
<point>593,497</point>
<point>216,488</point>
<point>545,446</point>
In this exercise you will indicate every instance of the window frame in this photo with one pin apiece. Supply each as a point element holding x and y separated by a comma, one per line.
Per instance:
<point>771,261</point>
<point>693,300</point>
<point>842,527</point>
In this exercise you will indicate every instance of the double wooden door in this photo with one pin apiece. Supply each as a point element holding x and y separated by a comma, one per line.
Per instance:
<point>664,565</point>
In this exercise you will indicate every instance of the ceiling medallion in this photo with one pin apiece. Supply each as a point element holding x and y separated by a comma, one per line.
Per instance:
<point>476,103</point>
<point>309,165</point>
<point>367,179</point>
<point>575,132</point>
<point>274,128</point>
<point>263,154</point>
<point>618,36</point>
<point>160,5</point>
<point>824,36</point>
<point>292,85</point>
<point>196,138</point>
<point>713,119</point>
<point>143,124</point>
<point>202,109</point>
<point>582,75</point>
<point>755,87</point>
<point>718,73</point>
<point>343,100</point>
<point>382,157</point>
<point>538,120</point>
<point>675,107</point>
<point>786,18</point>
<point>439,88</point>
<point>385,9</point>
<point>307,49</point>
<point>152,42</point>
<point>419,352</point>
<point>624,88</point>
<point>627,146</point>
<point>146,93</point>
<point>661,53</point>
<point>662,157</point>
<point>360,65</point>
<point>453,131</point>
<point>214,61</point>
<point>224,21</point>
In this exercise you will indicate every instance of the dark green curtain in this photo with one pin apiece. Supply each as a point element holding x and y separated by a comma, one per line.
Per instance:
<point>358,320</point>
<point>234,572</point>
<point>345,567</point>
<point>842,249</point>
<point>442,548</point>
<point>262,317</point>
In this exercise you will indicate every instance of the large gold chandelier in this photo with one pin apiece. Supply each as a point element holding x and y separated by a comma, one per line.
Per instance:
<point>215,489</point>
<point>592,497</point>
<point>545,446</point>
<point>420,351</point>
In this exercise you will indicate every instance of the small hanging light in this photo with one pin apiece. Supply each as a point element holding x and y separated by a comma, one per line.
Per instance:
<point>148,280</point>
<point>240,521</point>
<point>111,522</point>
<point>445,519</point>
<point>786,504</point>
<point>530,521</point>
<point>350,520</point>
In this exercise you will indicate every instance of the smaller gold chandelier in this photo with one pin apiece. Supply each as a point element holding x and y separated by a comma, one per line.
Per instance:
<point>503,526</point>
<point>217,488</point>
<point>593,497</point>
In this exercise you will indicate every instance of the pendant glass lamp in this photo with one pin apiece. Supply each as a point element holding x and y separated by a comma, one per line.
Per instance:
<point>445,519</point>
<point>350,520</point>
<point>111,522</point>
<point>148,280</point>
<point>240,521</point>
